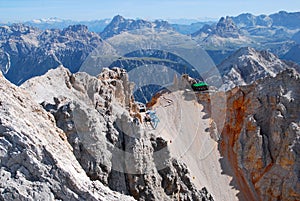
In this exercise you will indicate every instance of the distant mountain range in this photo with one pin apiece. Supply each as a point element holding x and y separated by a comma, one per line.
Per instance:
<point>119,24</point>
<point>277,33</point>
<point>184,26</point>
<point>280,19</point>
<point>26,51</point>
<point>57,23</point>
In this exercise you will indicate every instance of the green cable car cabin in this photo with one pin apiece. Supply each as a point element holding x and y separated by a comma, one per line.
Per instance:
<point>200,86</point>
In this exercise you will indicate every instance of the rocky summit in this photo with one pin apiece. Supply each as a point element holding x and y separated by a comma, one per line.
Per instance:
<point>95,115</point>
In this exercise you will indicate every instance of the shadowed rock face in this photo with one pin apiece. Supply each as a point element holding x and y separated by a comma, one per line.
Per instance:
<point>293,54</point>
<point>95,113</point>
<point>260,139</point>
<point>296,37</point>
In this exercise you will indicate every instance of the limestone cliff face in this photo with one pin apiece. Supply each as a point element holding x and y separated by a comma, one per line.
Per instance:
<point>36,160</point>
<point>260,138</point>
<point>96,115</point>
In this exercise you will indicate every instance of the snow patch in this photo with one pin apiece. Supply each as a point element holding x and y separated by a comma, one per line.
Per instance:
<point>7,66</point>
<point>47,20</point>
<point>288,96</point>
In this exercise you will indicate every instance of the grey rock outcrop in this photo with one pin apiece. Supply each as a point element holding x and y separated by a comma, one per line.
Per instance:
<point>96,114</point>
<point>260,138</point>
<point>36,160</point>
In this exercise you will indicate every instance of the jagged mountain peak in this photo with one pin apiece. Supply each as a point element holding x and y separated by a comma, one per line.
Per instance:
<point>225,28</point>
<point>118,18</point>
<point>226,20</point>
<point>252,54</point>
<point>247,65</point>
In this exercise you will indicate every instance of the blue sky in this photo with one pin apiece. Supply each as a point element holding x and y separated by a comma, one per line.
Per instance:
<point>22,10</point>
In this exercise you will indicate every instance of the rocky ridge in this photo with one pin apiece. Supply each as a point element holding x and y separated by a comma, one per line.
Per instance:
<point>96,115</point>
<point>36,160</point>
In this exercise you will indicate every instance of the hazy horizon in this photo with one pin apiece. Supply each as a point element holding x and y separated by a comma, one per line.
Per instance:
<point>25,10</point>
